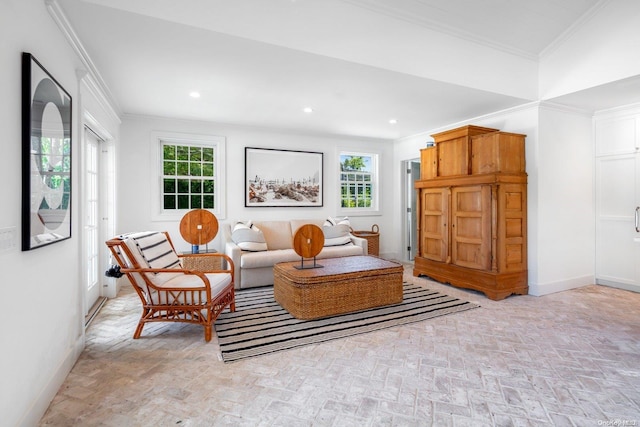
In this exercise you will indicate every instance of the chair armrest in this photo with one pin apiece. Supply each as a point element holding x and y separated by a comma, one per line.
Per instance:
<point>208,263</point>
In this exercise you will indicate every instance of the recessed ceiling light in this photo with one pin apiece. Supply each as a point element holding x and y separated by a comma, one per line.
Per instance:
<point>393,121</point>
<point>307,110</point>
<point>195,94</point>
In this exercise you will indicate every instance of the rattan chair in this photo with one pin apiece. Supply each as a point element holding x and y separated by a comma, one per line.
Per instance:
<point>172,287</point>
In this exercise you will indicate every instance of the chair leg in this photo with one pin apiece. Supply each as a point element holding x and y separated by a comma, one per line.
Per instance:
<point>138,331</point>
<point>207,333</point>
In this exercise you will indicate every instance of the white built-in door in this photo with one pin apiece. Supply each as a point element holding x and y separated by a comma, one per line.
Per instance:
<point>618,201</point>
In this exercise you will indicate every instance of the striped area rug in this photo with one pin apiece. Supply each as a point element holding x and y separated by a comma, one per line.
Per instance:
<point>260,326</point>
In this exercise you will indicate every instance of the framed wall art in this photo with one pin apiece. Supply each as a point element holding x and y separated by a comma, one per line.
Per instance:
<point>46,157</point>
<point>282,178</point>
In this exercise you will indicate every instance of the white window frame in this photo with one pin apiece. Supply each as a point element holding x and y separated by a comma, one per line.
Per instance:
<point>375,183</point>
<point>218,144</point>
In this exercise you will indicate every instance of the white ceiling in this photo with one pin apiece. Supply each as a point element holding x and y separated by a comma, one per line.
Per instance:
<point>259,62</point>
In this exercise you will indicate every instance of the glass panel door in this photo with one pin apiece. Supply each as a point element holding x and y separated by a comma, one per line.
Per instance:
<point>91,219</point>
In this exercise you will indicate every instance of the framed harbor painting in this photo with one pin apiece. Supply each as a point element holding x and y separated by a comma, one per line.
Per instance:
<point>46,157</point>
<point>279,178</point>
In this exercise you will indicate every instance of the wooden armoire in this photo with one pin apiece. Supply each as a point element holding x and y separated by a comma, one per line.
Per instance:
<point>472,211</point>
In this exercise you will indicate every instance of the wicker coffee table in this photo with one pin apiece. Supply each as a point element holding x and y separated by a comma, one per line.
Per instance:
<point>343,285</point>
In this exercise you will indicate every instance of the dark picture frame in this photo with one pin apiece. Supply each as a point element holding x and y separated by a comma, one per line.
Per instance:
<point>283,178</point>
<point>46,157</point>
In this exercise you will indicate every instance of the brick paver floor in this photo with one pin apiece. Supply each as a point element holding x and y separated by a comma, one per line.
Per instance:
<point>566,359</point>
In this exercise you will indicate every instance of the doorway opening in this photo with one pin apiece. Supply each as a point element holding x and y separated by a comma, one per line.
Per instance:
<point>411,171</point>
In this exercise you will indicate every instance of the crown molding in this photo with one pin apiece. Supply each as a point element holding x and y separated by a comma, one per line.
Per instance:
<point>255,128</point>
<point>569,32</point>
<point>90,84</point>
<point>391,12</point>
<point>623,110</point>
<point>92,78</point>
<point>536,105</point>
<point>550,105</point>
<point>499,113</point>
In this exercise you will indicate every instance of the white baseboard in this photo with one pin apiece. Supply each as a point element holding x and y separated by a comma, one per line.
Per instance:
<point>389,255</point>
<point>626,286</point>
<point>539,289</point>
<point>41,403</point>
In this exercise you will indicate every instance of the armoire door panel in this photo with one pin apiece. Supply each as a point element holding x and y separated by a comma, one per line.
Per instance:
<point>497,152</point>
<point>469,254</point>
<point>471,226</point>
<point>514,254</point>
<point>512,249</point>
<point>513,199</point>
<point>513,227</point>
<point>468,227</point>
<point>434,212</point>
<point>453,157</point>
<point>429,163</point>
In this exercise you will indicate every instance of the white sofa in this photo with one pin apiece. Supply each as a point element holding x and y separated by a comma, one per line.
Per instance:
<point>254,269</point>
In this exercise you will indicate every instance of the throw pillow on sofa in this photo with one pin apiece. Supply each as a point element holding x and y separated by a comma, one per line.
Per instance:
<point>248,237</point>
<point>337,232</point>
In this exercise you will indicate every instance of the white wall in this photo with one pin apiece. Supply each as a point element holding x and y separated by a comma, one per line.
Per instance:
<point>559,159</point>
<point>566,235</point>
<point>601,49</point>
<point>134,186</point>
<point>42,332</point>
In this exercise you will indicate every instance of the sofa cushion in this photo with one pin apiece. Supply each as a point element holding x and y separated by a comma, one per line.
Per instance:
<point>337,235</point>
<point>335,221</point>
<point>340,251</point>
<point>248,237</point>
<point>277,234</point>
<point>268,258</point>
<point>297,223</point>
<point>337,232</point>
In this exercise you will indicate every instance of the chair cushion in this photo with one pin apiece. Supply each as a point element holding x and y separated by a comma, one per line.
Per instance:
<point>248,237</point>
<point>218,282</point>
<point>152,250</point>
<point>337,232</point>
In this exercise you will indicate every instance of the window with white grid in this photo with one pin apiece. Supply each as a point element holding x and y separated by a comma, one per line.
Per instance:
<point>358,182</point>
<point>190,175</point>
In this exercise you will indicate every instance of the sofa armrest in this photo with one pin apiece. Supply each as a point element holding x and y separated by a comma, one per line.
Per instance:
<point>363,243</point>
<point>233,251</point>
